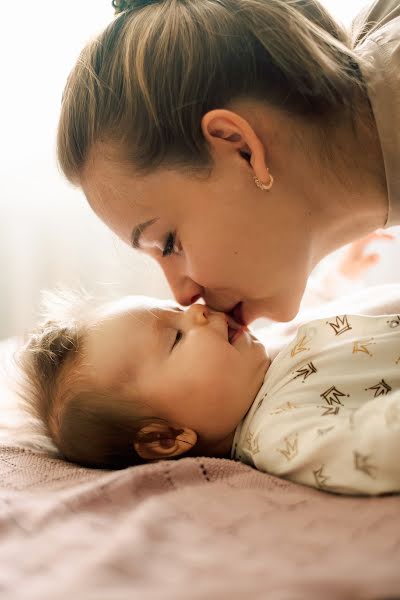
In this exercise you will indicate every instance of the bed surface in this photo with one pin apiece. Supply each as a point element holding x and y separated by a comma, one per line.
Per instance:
<point>194,528</point>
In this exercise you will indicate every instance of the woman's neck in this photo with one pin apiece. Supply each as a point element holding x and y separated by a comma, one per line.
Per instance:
<point>352,196</point>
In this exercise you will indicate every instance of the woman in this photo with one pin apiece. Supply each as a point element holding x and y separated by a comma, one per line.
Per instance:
<point>237,142</point>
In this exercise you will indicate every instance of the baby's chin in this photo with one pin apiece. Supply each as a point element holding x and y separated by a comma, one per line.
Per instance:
<point>267,362</point>
<point>261,366</point>
<point>266,366</point>
<point>261,351</point>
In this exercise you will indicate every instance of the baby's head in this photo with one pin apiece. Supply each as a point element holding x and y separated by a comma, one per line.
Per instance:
<point>139,379</point>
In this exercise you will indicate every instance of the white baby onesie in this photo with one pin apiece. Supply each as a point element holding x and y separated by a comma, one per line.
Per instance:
<point>328,412</point>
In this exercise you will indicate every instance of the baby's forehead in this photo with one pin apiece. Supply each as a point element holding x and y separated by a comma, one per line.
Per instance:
<point>137,306</point>
<point>123,336</point>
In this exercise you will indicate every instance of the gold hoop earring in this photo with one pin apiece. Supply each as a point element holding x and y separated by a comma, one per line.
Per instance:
<point>262,186</point>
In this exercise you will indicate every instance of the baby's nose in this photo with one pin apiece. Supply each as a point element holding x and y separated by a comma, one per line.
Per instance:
<point>199,313</point>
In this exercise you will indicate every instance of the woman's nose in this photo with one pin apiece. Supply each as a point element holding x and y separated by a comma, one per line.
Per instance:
<point>185,290</point>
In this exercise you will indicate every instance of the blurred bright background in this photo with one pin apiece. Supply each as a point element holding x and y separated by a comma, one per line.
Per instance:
<point>48,236</point>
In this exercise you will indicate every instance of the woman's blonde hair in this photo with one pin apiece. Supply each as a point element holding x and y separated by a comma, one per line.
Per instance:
<point>147,80</point>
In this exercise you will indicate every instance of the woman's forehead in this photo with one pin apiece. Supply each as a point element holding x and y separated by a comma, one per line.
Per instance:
<point>111,186</point>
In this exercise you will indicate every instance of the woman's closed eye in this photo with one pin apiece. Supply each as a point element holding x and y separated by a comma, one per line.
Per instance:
<point>178,338</point>
<point>169,246</point>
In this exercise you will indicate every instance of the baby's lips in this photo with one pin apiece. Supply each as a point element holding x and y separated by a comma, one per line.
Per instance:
<point>236,314</point>
<point>234,324</point>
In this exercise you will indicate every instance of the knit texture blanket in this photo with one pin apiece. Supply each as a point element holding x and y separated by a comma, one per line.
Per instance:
<point>187,529</point>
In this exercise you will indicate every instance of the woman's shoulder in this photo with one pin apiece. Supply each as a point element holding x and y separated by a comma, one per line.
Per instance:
<point>378,16</point>
<point>376,40</point>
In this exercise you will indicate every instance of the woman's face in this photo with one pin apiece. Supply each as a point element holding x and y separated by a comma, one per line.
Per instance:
<point>218,237</point>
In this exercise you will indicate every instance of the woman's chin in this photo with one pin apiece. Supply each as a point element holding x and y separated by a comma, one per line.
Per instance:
<point>274,310</point>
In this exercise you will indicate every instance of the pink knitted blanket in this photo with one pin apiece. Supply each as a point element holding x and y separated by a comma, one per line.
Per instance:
<point>187,530</point>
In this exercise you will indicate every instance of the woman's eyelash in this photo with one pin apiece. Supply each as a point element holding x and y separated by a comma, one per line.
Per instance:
<point>169,245</point>
<point>178,338</point>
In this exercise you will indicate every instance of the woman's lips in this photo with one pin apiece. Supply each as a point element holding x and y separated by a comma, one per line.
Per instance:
<point>236,314</point>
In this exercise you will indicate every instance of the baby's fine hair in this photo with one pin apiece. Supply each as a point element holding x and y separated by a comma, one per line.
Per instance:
<point>90,426</point>
<point>147,80</point>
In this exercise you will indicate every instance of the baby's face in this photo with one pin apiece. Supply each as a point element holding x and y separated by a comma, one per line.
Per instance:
<point>183,365</point>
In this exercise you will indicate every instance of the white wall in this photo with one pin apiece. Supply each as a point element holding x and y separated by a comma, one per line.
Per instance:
<point>47,234</point>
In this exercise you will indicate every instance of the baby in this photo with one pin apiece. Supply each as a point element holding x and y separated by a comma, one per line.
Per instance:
<point>138,380</point>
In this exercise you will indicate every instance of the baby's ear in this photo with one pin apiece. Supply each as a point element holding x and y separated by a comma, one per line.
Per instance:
<point>160,440</point>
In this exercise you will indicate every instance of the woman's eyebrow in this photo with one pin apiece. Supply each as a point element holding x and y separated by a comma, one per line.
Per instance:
<point>138,230</point>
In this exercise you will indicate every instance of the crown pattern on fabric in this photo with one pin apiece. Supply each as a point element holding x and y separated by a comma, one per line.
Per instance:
<point>394,322</point>
<point>330,411</point>
<point>321,479</point>
<point>362,463</point>
<point>252,442</point>
<point>363,347</point>
<point>333,395</point>
<point>381,389</point>
<point>341,325</point>
<point>301,346</point>
<point>290,450</point>
<point>305,371</point>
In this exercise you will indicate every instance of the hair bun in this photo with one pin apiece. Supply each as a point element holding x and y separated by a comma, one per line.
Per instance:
<point>123,5</point>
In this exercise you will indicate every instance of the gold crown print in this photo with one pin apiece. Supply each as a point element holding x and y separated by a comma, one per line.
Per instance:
<point>252,442</point>
<point>363,347</point>
<point>320,477</point>
<point>290,450</point>
<point>300,346</point>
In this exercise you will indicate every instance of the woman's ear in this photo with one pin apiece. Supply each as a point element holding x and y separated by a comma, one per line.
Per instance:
<point>160,440</point>
<point>222,127</point>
